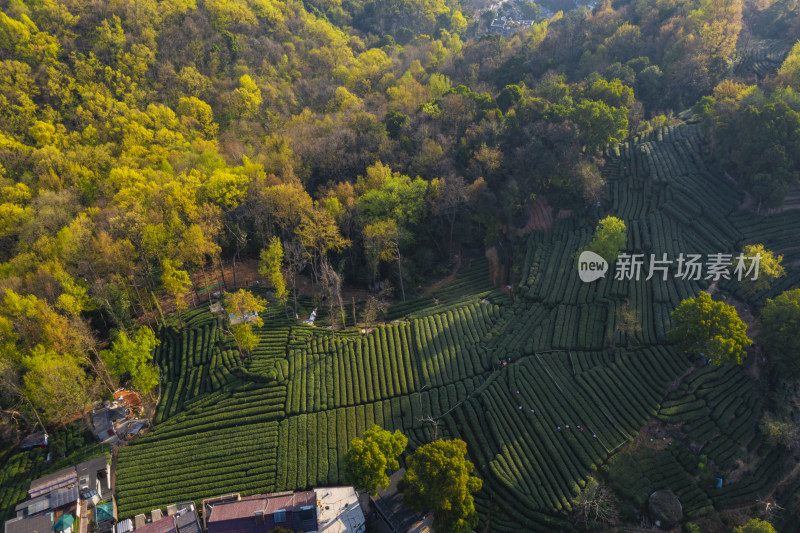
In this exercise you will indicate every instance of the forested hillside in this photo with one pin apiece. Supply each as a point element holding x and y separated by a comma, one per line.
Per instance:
<point>149,148</point>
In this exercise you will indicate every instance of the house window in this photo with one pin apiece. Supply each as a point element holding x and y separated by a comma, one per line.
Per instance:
<point>279,516</point>
<point>308,513</point>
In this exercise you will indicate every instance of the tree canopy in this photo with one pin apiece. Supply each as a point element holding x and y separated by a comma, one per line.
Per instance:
<point>709,328</point>
<point>779,329</point>
<point>134,357</point>
<point>599,123</point>
<point>151,146</point>
<point>439,478</point>
<point>756,136</point>
<point>243,308</point>
<point>609,238</point>
<point>270,266</point>
<point>769,266</point>
<point>755,525</point>
<point>371,455</point>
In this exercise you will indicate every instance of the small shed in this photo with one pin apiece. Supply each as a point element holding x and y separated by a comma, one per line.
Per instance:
<point>126,526</point>
<point>104,421</point>
<point>104,513</point>
<point>135,427</point>
<point>34,440</point>
<point>64,523</point>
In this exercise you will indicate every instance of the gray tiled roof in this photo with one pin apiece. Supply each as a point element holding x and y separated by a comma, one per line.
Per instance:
<point>89,469</point>
<point>187,522</point>
<point>34,440</point>
<point>42,523</point>
<point>63,496</point>
<point>62,478</point>
<point>35,503</point>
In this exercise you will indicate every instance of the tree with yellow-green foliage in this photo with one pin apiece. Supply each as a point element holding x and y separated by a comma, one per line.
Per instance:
<point>370,456</point>
<point>44,357</point>
<point>247,98</point>
<point>243,308</point>
<point>789,73</point>
<point>609,238</point>
<point>58,385</point>
<point>270,266</point>
<point>439,479</point>
<point>717,23</point>
<point>755,525</point>
<point>766,268</point>
<point>133,357</point>
<point>712,329</point>
<point>382,243</point>
<point>197,113</point>
<point>319,234</point>
<point>177,284</point>
<point>599,123</point>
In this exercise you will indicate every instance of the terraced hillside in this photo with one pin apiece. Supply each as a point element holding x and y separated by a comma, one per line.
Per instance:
<point>762,57</point>
<point>575,392</point>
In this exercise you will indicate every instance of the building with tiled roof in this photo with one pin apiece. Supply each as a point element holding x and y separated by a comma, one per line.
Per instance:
<point>180,518</point>
<point>42,523</point>
<point>94,474</point>
<point>34,440</point>
<point>165,525</point>
<point>56,480</point>
<point>260,514</point>
<point>63,499</point>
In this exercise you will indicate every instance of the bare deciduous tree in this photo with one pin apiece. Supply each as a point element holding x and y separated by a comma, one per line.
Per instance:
<point>452,199</point>
<point>595,505</point>
<point>332,286</point>
<point>627,322</point>
<point>294,261</point>
<point>373,308</point>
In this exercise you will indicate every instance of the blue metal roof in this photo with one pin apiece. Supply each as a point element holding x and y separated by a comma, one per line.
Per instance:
<point>104,511</point>
<point>64,522</point>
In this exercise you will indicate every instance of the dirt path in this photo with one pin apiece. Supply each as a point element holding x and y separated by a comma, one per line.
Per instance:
<point>785,479</point>
<point>540,216</point>
<point>494,264</point>
<point>449,278</point>
<point>114,470</point>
